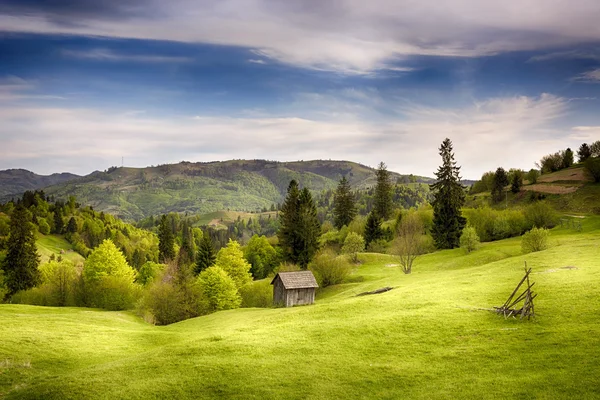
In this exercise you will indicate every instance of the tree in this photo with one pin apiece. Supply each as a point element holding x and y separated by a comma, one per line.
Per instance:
<point>20,265</point>
<point>500,181</point>
<point>373,229</point>
<point>59,279</point>
<point>551,163</point>
<point>261,256</point>
<point>166,241</point>
<point>595,149</point>
<point>517,182</point>
<point>288,217</point>
<point>108,279</point>
<point>219,289</point>
<point>448,198</point>
<point>567,158</point>
<point>231,260</point>
<point>353,244</point>
<point>592,165</point>
<point>186,251</point>
<point>300,228</point>
<point>532,176</point>
<point>344,208</point>
<point>408,243</point>
<point>383,193</point>
<point>584,152</point>
<point>469,240</point>
<point>72,225</point>
<point>206,256</point>
<point>59,224</point>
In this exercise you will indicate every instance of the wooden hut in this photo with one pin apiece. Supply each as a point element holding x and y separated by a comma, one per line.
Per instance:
<point>294,288</point>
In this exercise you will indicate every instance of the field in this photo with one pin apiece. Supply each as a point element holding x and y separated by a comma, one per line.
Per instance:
<point>52,244</point>
<point>430,337</point>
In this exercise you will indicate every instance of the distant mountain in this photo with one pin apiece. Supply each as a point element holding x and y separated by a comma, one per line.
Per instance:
<point>18,181</point>
<point>241,185</point>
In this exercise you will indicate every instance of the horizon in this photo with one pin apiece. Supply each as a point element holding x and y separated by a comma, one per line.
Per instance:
<point>84,84</point>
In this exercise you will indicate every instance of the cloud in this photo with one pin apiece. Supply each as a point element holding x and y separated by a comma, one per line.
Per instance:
<point>13,88</point>
<point>511,131</point>
<point>592,76</point>
<point>347,36</point>
<point>109,55</point>
<point>254,61</point>
<point>569,54</point>
<point>587,134</point>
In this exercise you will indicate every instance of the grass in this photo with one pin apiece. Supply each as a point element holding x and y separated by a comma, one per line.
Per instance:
<point>52,244</point>
<point>427,338</point>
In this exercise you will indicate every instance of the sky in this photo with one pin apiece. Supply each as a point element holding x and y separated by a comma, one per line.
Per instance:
<point>85,85</point>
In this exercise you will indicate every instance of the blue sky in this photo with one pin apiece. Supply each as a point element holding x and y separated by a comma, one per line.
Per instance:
<point>85,83</point>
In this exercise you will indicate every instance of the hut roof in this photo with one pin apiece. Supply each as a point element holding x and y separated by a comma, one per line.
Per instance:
<point>297,280</point>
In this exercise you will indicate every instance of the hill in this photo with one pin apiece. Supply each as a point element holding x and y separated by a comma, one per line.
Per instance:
<point>17,181</point>
<point>199,188</point>
<point>430,337</point>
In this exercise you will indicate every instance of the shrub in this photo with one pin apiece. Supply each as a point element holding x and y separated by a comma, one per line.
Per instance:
<point>43,226</point>
<point>541,215</point>
<point>535,240</point>
<point>592,166</point>
<point>219,289</point>
<point>257,294</point>
<point>329,269</point>
<point>497,224</point>
<point>469,240</point>
<point>353,244</point>
<point>163,303</point>
<point>148,272</point>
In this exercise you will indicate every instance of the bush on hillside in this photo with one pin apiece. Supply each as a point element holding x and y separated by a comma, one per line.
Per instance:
<point>535,240</point>
<point>469,240</point>
<point>257,294</point>
<point>43,226</point>
<point>353,245</point>
<point>330,269</point>
<point>493,224</point>
<point>541,215</point>
<point>148,272</point>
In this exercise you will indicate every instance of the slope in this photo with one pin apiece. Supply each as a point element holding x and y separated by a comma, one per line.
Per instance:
<point>427,338</point>
<point>240,185</point>
<point>17,181</point>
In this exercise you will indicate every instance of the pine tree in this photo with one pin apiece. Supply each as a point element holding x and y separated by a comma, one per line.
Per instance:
<point>373,229</point>
<point>448,198</point>
<point>166,241</point>
<point>517,182</point>
<point>288,218</point>
<point>567,158</point>
<point>309,229</point>
<point>186,252</point>
<point>344,209</point>
<point>20,265</point>
<point>383,193</point>
<point>498,184</point>
<point>59,224</point>
<point>72,225</point>
<point>584,152</point>
<point>206,256</point>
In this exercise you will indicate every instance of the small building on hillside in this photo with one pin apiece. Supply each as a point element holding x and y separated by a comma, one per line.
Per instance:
<point>294,288</point>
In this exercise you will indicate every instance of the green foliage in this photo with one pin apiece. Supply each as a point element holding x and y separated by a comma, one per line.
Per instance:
<point>449,197</point>
<point>206,256</point>
<point>231,260</point>
<point>43,226</point>
<point>535,240</point>
<point>330,269</point>
<point>541,215</point>
<point>262,257</point>
<point>551,163</point>
<point>219,289</point>
<point>516,182</point>
<point>148,272</point>
<point>407,245</point>
<point>58,286</point>
<point>353,245</point>
<point>493,224</point>
<point>595,149</point>
<point>20,264</point>
<point>532,176</point>
<point>485,184</point>
<point>567,158</point>
<point>469,240</point>
<point>382,202</point>
<point>500,181</point>
<point>584,152</point>
<point>592,166</point>
<point>288,217</point>
<point>344,209</point>
<point>257,294</point>
<point>373,230</point>
<point>166,241</point>
<point>108,279</point>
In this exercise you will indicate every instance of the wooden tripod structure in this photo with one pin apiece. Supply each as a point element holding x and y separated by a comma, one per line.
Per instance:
<point>511,309</point>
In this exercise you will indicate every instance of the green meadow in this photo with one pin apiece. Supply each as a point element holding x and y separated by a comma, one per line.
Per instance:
<point>432,336</point>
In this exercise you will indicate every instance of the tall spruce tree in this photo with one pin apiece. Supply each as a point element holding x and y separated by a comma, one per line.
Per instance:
<point>288,219</point>
<point>373,229</point>
<point>448,198</point>
<point>59,224</point>
<point>344,208</point>
<point>498,184</point>
<point>584,152</point>
<point>186,251</point>
<point>20,265</point>
<point>383,193</point>
<point>309,229</point>
<point>166,241</point>
<point>206,256</point>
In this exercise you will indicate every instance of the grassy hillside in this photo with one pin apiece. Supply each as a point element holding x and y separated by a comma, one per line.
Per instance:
<point>133,193</point>
<point>57,245</point>
<point>430,337</point>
